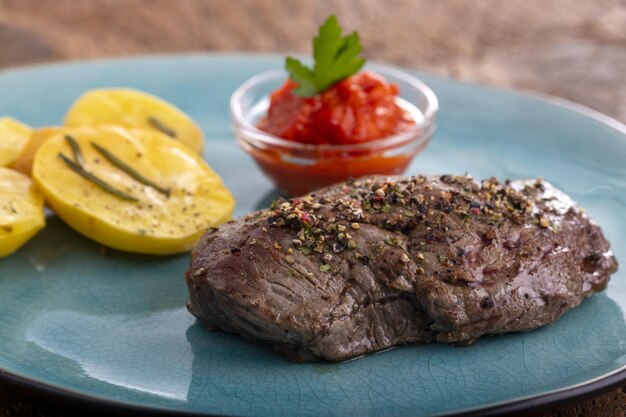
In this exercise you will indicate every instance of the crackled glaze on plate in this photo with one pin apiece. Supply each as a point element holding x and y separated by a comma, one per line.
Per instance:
<point>113,326</point>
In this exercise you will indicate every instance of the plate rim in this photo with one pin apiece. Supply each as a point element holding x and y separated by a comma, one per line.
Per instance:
<point>530,93</point>
<point>532,403</point>
<point>549,399</point>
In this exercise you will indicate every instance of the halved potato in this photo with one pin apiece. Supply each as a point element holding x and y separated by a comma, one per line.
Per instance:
<point>24,163</point>
<point>14,136</point>
<point>21,210</point>
<point>132,108</point>
<point>154,224</point>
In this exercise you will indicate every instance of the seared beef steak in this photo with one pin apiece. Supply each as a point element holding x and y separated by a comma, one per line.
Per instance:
<point>378,262</point>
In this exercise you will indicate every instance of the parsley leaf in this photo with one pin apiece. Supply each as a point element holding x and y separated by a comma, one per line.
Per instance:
<point>302,75</point>
<point>336,58</point>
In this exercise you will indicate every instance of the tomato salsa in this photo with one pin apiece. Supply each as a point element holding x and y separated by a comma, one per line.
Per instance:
<point>296,179</point>
<point>329,122</point>
<point>358,109</point>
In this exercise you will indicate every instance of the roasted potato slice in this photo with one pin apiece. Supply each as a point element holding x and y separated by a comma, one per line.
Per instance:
<point>132,108</point>
<point>14,136</point>
<point>138,217</point>
<point>24,162</point>
<point>21,210</point>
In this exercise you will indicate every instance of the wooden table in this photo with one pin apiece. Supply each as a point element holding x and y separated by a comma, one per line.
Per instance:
<point>574,49</point>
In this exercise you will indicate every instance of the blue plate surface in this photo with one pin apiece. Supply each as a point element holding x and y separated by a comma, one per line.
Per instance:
<point>115,327</point>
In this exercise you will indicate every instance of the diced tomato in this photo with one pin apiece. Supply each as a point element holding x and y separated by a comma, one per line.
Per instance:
<point>358,109</point>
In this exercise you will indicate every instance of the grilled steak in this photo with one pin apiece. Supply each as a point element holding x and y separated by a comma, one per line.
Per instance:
<point>379,262</point>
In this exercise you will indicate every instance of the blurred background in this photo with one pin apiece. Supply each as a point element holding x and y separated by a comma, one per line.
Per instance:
<point>574,49</point>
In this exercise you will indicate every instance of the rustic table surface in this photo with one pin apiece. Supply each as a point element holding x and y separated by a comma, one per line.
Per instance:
<point>574,49</point>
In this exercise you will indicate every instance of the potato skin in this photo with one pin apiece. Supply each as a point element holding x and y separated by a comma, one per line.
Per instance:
<point>24,162</point>
<point>157,224</point>
<point>14,136</point>
<point>21,211</point>
<point>132,108</point>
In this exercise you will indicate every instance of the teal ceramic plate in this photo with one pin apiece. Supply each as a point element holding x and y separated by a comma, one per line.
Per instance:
<point>114,329</point>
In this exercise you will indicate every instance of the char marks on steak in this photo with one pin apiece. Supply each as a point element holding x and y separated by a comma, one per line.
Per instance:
<point>384,261</point>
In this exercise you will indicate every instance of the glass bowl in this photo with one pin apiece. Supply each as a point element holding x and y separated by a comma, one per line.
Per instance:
<point>297,168</point>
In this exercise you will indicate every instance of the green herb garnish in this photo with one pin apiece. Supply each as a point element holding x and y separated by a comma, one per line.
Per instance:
<point>161,127</point>
<point>336,58</point>
<point>128,169</point>
<point>78,155</point>
<point>305,250</point>
<point>97,181</point>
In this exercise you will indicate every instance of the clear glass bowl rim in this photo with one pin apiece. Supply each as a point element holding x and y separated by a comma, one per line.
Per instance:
<point>253,133</point>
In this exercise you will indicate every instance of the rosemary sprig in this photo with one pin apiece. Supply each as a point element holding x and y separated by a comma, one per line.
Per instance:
<point>162,127</point>
<point>100,183</point>
<point>128,169</point>
<point>78,155</point>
